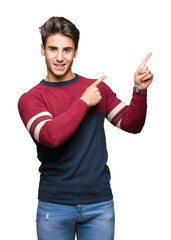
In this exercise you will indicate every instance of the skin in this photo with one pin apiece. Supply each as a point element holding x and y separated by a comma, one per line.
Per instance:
<point>92,94</point>
<point>59,54</point>
<point>143,76</point>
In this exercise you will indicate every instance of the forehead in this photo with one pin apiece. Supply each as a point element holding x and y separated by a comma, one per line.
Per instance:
<point>59,40</point>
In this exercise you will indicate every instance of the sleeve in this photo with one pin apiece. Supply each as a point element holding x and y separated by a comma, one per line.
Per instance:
<point>130,118</point>
<point>45,129</point>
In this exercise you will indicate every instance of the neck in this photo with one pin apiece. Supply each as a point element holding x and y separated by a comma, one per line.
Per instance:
<point>57,78</point>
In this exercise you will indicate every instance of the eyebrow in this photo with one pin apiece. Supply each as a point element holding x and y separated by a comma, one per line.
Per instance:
<point>57,47</point>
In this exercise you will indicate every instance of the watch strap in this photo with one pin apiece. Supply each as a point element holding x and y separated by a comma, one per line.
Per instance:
<point>139,90</point>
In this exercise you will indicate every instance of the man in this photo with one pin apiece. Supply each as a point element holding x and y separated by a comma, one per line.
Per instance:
<point>65,115</point>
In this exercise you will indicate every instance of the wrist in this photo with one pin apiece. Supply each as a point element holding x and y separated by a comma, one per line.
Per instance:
<point>139,90</point>
<point>84,100</point>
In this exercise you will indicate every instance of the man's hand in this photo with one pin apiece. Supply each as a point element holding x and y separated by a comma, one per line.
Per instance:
<point>92,94</point>
<point>143,77</point>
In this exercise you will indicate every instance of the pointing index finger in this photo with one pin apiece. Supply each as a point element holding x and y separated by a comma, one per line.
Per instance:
<point>145,59</point>
<point>99,80</point>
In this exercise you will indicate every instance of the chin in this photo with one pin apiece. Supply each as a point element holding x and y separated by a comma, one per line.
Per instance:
<point>61,73</point>
<point>58,73</point>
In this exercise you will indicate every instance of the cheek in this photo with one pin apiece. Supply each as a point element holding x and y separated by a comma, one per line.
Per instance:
<point>49,57</point>
<point>69,58</point>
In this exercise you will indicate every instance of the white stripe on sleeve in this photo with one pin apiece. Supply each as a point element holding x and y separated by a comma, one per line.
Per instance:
<point>113,113</point>
<point>119,123</point>
<point>38,128</point>
<point>35,117</point>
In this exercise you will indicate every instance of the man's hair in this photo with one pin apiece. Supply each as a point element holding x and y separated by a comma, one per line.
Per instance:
<point>60,25</point>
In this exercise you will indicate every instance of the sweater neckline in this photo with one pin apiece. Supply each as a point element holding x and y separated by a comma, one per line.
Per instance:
<point>63,83</point>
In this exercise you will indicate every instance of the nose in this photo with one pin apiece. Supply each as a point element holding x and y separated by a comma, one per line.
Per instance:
<point>59,56</point>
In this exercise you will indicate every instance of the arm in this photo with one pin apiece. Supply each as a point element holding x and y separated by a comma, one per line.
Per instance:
<point>50,131</point>
<point>131,118</point>
<point>45,129</point>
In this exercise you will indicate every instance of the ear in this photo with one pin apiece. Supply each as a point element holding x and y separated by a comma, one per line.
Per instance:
<point>76,52</point>
<point>42,50</point>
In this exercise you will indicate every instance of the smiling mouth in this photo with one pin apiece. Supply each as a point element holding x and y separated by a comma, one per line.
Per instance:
<point>59,65</point>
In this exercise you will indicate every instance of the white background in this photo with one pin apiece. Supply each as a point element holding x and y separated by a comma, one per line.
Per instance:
<point>115,37</point>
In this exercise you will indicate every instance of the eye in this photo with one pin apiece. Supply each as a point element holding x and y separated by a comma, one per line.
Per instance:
<point>67,50</point>
<point>53,49</point>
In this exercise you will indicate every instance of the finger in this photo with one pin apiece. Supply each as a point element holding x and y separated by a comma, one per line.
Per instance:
<point>148,77</point>
<point>144,74</point>
<point>145,60</point>
<point>142,70</point>
<point>99,80</point>
<point>145,69</point>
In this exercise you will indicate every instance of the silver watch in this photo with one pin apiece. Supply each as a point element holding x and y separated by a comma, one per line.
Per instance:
<point>139,90</point>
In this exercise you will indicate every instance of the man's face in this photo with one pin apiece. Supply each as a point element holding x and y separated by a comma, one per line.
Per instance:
<point>59,53</point>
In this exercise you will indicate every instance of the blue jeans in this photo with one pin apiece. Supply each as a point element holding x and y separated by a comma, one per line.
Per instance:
<point>61,222</point>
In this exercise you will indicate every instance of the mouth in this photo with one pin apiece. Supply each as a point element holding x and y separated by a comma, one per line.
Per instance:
<point>59,66</point>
